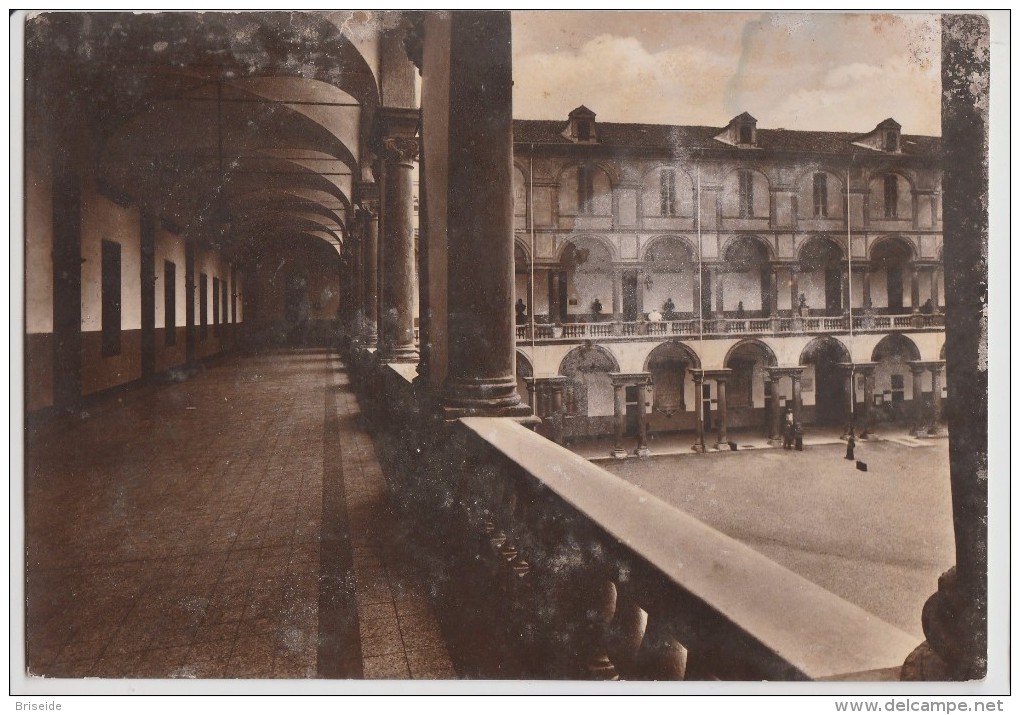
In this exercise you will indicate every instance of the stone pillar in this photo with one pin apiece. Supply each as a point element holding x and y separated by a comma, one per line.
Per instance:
<point>148,297</point>
<point>67,263</point>
<point>190,332</point>
<point>530,382</point>
<point>720,377</point>
<point>368,198</point>
<point>917,371</point>
<point>867,372</point>
<point>699,379</point>
<point>795,376</point>
<point>935,288</point>
<point>847,369</point>
<point>554,295</point>
<point>480,376</point>
<point>644,390</point>
<point>866,286</point>
<point>398,147</point>
<point>620,417</point>
<point>936,398</point>
<point>955,618</point>
<point>773,388</point>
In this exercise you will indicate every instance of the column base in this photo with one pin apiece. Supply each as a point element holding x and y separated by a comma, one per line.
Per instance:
<point>402,353</point>
<point>722,446</point>
<point>520,413</point>
<point>775,441</point>
<point>618,453</point>
<point>642,451</point>
<point>698,447</point>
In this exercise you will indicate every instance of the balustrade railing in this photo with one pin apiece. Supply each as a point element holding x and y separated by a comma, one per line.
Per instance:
<point>727,327</point>
<point>595,578</point>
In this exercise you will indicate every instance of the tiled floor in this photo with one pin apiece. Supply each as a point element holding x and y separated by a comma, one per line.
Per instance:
<point>176,532</point>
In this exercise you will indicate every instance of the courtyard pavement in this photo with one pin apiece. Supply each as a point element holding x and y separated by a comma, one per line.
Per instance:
<point>878,539</point>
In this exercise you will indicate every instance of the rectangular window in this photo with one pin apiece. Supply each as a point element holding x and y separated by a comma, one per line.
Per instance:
<point>169,303</point>
<point>111,298</point>
<point>216,306</point>
<point>203,306</point>
<point>821,196</point>
<point>585,189</point>
<point>746,135</point>
<point>890,141</point>
<point>746,194</point>
<point>223,302</point>
<point>891,195</point>
<point>897,388</point>
<point>667,192</point>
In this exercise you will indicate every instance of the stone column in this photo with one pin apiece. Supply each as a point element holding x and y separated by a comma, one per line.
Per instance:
<point>936,397</point>
<point>148,298</point>
<point>644,390</point>
<point>554,295</point>
<point>530,382</point>
<point>480,376</point>
<point>773,387</point>
<point>718,286</point>
<point>66,212</point>
<point>847,369</point>
<point>368,198</point>
<point>190,331</point>
<point>398,147</point>
<point>917,371</point>
<point>935,288</point>
<point>699,379</point>
<point>720,377</point>
<point>696,298</point>
<point>795,376</point>
<point>867,372</point>
<point>620,416</point>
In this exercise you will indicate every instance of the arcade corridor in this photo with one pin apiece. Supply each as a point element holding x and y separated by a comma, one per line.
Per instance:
<point>232,525</point>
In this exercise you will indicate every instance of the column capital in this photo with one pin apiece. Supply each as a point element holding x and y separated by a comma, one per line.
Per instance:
<point>866,368</point>
<point>394,122</point>
<point>624,379</point>
<point>366,191</point>
<point>720,375</point>
<point>399,150</point>
<point>548,380</point>
<point>918,367</point>
<point>780,372</point>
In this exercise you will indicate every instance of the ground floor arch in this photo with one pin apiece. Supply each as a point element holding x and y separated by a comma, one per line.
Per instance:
<point>588,402</point>
<point>824,381</point>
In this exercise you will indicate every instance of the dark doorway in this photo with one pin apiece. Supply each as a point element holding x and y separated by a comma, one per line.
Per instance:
<point>833,292</point>
<point>562,307</point>
<point>706,294</point>
<point>830,399</point>
<point>630,293</point>
<point>633,410</point>
<point>894,285</point>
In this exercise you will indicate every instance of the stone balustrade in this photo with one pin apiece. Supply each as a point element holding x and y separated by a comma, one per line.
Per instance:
<point>556,568</point>
<point>728,327</point>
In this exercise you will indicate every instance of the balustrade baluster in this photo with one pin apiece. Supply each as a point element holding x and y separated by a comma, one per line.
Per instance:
<point>661,656</point>
<point>626,633</point>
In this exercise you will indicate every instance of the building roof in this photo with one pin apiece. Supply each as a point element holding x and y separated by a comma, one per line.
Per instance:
<point>681,138</point>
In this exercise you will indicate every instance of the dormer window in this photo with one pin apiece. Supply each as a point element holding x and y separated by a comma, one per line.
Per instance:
<point>581,126</point>
<point>891,141</point>
<point>746,134</point>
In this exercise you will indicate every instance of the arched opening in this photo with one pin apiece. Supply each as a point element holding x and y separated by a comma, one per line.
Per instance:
<point>674,402</point>
<point>583,287</point>
<point>588,395</point>
<point>747,399</point>
<point>821,276</point>
<point>522,287</point>
<point>671,266</point>
<point>745,279</point>
<point>890,259</point>
<point>894,389</point>
<point>824,381</point>
<point>523,370</point>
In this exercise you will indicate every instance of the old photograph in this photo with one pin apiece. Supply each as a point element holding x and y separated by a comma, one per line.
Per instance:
<point>485,346</point>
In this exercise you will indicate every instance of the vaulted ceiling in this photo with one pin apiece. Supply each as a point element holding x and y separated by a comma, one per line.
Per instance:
<point>243,128</point>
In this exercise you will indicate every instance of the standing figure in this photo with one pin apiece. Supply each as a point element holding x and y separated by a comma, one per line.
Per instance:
<point>788,429</point>
<point>596,310</point>
<point>850,444</point>
<point>521,310</point>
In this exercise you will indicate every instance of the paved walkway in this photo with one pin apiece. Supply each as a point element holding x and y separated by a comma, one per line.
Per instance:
<point>234,525</point>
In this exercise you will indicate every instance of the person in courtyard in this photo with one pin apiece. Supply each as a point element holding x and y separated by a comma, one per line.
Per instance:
<point>740,310</point>
<point>850,444</point>
<point>596,310</point>
<point>788,428</point>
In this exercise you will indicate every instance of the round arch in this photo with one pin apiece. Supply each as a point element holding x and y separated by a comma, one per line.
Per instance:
<point>673,348</point>
<point>893,242</point>
<point>734,241</point>
<point>578,241</point>
<point>823,355</point>
<point>589,389</point>
<point>663,239</point>
<point>824,343</point>
<point>897,344</point>
<point>752,343</point>
<point>821,242</point>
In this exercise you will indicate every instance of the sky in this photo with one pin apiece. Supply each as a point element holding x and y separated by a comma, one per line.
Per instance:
<point>822,71</point>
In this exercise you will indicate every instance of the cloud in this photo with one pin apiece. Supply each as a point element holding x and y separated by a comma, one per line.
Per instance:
<point>621,81</point>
